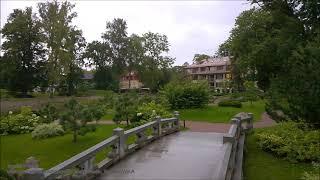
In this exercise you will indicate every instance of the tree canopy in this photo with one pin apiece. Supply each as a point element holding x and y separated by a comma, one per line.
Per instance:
<point>199,57</point>
<point>23,56</point>
<point>277,45</point>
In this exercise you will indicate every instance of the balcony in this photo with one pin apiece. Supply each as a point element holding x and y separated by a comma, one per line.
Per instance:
<point>209,72</point>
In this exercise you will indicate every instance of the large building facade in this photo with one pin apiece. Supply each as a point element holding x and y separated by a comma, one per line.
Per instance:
<point>217,71</point>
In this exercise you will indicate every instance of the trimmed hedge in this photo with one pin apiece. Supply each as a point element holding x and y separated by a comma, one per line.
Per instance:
<point>230,103</point>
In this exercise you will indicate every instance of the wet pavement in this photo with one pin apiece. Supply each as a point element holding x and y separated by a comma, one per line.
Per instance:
<point>180,156</point>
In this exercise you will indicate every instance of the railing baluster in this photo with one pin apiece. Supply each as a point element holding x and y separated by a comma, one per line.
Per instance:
<point>158,119</point>
<point>121,145</point>
<point>85,161</point>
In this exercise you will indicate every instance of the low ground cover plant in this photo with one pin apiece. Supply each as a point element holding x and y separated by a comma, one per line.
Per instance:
<point>292,141</point>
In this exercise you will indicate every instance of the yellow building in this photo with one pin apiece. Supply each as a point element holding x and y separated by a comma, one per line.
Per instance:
<point>216,70</point>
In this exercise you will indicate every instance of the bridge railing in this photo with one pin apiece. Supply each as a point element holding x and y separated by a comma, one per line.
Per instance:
<point>234,140</point>
<point>84,165</point>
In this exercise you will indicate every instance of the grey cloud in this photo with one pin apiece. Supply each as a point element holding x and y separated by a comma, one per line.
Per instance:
<point>191,26</point>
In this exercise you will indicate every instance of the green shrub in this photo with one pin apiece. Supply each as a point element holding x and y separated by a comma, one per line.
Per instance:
<point>109,99</point>
<point>24,122</point>
<point>48,113</point>
<point>43,131</point>
<point>230,103</point>
<point>291,140</point>
<point>314,174</point>
<point>183,95</point>
<point>149,111</point>
<point>83,89</point>
<point>5,176</point>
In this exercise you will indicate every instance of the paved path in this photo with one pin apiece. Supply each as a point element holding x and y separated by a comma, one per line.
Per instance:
<point>198,126</point>
<point>265,121</point>
<point>179,156</point>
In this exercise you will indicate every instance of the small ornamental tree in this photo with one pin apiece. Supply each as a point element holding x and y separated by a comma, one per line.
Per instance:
<point>252,92</point>
<point>125,108</point>
<point>77,116</point>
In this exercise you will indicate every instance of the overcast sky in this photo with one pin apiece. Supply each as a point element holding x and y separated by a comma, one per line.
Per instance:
<point>192,27</point>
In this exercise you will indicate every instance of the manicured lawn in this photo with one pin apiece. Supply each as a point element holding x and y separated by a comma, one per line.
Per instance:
<point>260,165</point>
<point>16,148</point>
<point>109,115</point>
<point>96,92</point>
<point>216,114</point>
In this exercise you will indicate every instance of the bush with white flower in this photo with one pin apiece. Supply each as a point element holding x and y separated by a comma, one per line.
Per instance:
<point>21,123</point>
<point>43,131</point>
<point>148,112</point>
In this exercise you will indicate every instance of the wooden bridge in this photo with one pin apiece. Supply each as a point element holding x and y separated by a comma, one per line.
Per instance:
<point>159,151</point>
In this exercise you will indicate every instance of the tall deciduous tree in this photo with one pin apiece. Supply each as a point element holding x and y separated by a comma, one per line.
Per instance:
<point>135,52</point>
<point>99,56</point>
<point>116,37</point>
<point>56,18</point>
<point>75,45</point>
<point>23,51</point>
<point>199,57</point>
<point>153,68</point>
<point>277,45</point>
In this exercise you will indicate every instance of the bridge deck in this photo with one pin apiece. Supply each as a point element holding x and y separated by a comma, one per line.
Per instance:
<point>180,156</point>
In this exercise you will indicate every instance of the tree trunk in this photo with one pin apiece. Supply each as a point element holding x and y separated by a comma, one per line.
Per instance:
<point>51,91</point>
<point>127,122</point>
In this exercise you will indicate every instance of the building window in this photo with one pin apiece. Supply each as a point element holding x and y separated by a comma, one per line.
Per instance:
<point>194,70</point>
<point>195,77</point>
<point>219,68</point>
<point>219,76</point>
<point>219,84</point>
<point>203,69</point>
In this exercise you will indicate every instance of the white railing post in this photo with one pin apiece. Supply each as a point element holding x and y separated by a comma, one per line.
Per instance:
<point>158,119</point>
<point>250,122</point>
<point>122,144</point>
<point>88,165</point>
<point>177,123</point>
<point>33,171</point>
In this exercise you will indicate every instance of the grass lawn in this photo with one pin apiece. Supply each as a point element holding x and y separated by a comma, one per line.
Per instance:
<point>97,92</point>
<point>216,114</point>
<point>260,165</point>
<point>16,148</point>
<point>109,115</point>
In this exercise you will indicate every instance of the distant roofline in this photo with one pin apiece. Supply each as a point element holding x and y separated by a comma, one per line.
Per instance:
<point>216,61</point>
